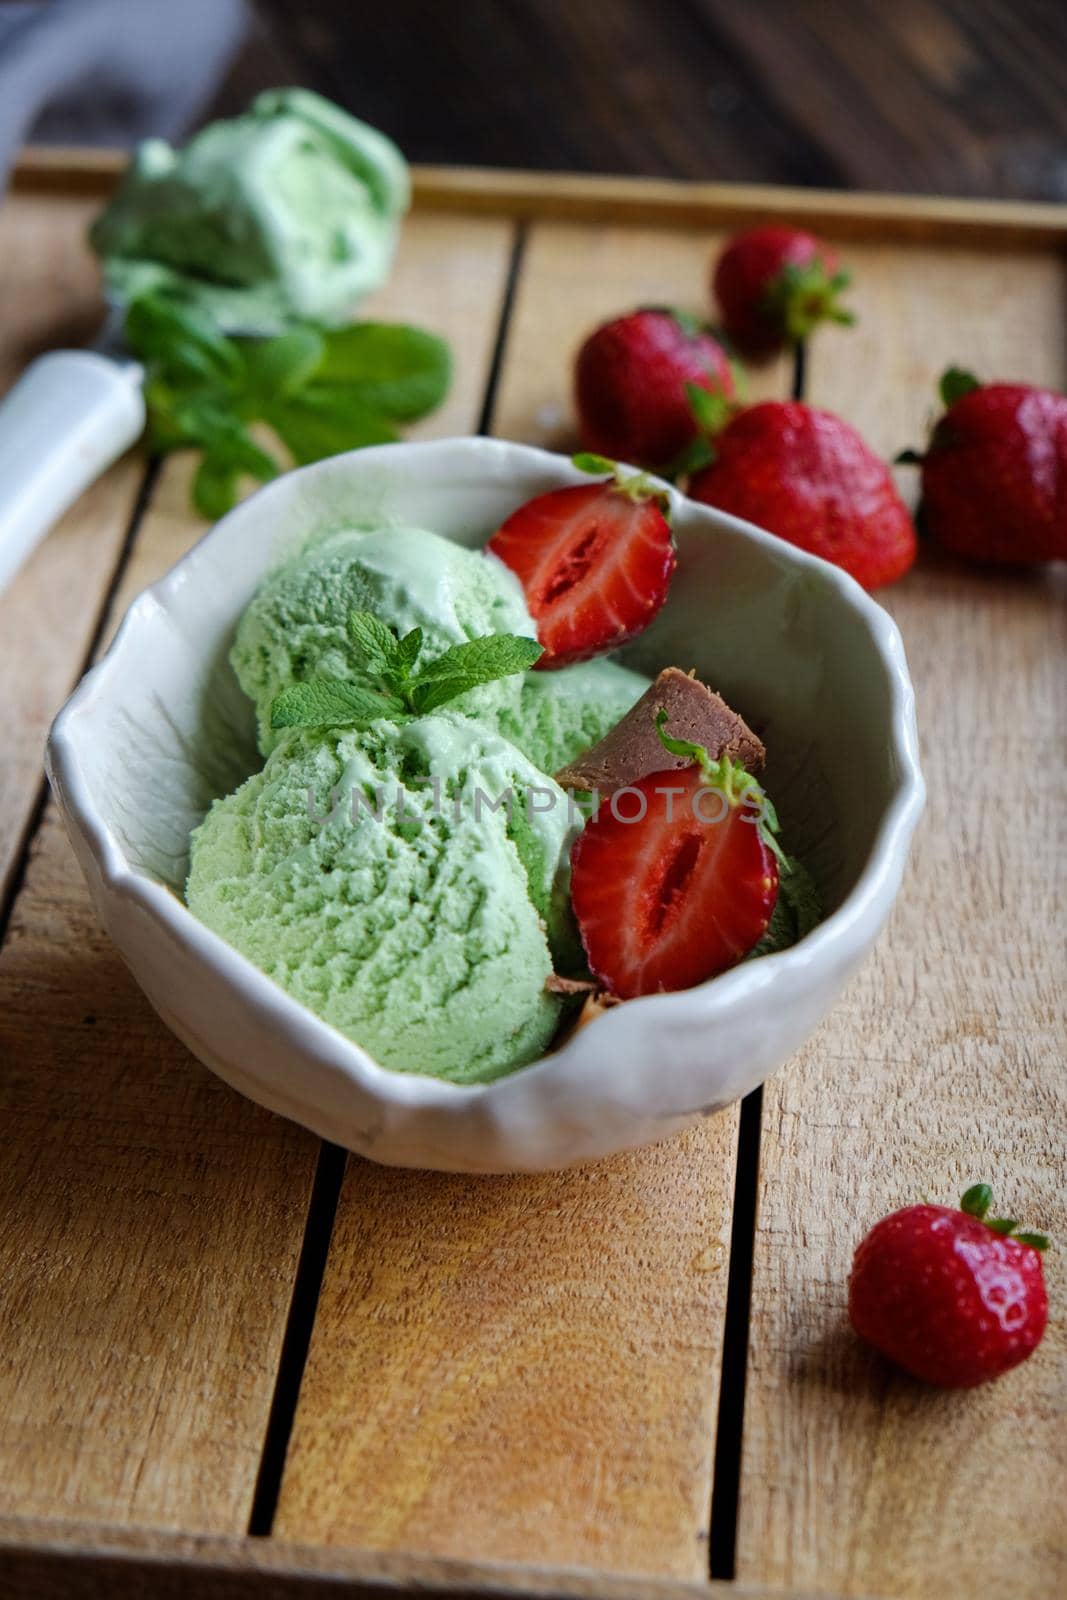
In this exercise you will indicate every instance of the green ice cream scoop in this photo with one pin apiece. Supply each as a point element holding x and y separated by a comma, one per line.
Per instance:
<point>289,211</point>
<point>420,928</point>
<point>562,713</point>
<point>296,627</point>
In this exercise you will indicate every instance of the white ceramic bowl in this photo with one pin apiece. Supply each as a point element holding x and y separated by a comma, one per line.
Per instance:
<point>134,759</point>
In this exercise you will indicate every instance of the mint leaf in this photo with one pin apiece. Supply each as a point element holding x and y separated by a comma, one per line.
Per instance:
<point>465,666</point>
<point>407,651</point>
<point>312,432</point>
<point>230,454</point>
<point>322,392</point>
<point>376,643</point>
<point>162,328</point>
<point>214,490</point>
<point>955,383</point>
<point>796,911</point>
<point>275,368</point>
<point>398,371</point>
<point>780,933</point>
<point>331,703</point>
<point>796,887</point>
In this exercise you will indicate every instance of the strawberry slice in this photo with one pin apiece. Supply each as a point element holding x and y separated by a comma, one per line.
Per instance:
<point>679,889</point>
<point>595,562</point>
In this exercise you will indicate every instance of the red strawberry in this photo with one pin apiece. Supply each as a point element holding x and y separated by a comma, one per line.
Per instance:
<point>670,888</point>
<point>948,1296</point>
<point>808,477</point>
<point>631,383</point>
<point>995,475</point>
<point>595,562</point>
<point>774,285</point>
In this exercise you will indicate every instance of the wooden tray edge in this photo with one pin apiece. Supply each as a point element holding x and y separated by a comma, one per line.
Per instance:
<point>652,201</point>
<point>50,1559</point>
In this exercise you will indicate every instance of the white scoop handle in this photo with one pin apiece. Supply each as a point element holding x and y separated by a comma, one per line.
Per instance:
<point>70,415</point>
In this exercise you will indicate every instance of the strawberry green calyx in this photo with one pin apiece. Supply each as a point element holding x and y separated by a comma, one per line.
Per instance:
<point>688,323</point>
<point>726,775</point>
<point>801,907</point>
<point>977,1200</point>
<point>976,1203</point>
<point>731,779</point>
<point>636,486</point>
<point>711,409</point>
<point>803,296</point>
<point>955,383</point>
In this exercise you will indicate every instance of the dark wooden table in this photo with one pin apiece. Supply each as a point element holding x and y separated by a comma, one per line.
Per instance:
<point>942,96</point>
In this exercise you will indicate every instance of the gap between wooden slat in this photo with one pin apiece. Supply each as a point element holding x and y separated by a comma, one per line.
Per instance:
<point>318,1230</point>
<point>729,1434</point>
<point>507,306</point>
<point>18,871</point>
<point>729,1431</point>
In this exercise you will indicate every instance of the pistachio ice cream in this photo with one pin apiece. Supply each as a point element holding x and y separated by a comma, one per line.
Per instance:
<point>408,880</point>
<point>289,211</point>
<point>424,928</point>
<point>297,625</point>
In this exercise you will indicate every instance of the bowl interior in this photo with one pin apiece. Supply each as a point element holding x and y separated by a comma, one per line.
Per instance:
<point>772,630</point>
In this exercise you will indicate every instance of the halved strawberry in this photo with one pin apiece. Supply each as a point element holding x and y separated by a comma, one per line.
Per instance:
<point>683,889</point>
<point>595,562</point>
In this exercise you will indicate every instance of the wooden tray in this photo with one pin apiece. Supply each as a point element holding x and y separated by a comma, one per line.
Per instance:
<point>235,1363</point>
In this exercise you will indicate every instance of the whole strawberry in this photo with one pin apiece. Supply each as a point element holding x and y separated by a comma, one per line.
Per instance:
<point>948,1296</point>
<point>774,286</point>
<point>994,477</point>
<point>809,477</point>
<point>634,381</point>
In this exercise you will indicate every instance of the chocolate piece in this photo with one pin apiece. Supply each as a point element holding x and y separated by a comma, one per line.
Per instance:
<point>554,984</point>
<point>633,749</point>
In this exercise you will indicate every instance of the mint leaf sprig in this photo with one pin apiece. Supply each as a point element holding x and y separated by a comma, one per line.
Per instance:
<point>321,391</point>
<point>390,685</point>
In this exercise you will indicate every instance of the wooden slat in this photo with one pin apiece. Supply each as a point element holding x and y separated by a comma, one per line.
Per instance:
<point>654,202</point>
<point>151,1223</point>
<point>520,1367</point>
<point>64,1561</point>
<point>49,612</point>
<point>944,1063</point>
<point>151,1218</point>
<point>529,1364</point>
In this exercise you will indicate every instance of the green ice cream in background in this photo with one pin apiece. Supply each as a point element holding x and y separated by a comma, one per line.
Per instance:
<point>424,937</point>
<point>562,713</point>
<point>297,625</point>
<point>289,211</point>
